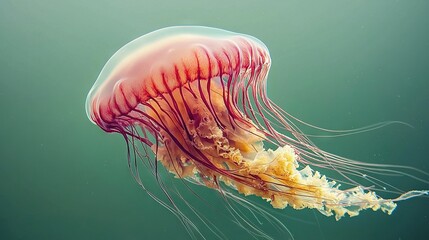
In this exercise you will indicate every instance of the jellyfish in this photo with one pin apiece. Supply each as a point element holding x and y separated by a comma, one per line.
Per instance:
<point>197,98</point>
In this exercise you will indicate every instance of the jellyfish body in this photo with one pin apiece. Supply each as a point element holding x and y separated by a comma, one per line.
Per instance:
<point>197,97</point>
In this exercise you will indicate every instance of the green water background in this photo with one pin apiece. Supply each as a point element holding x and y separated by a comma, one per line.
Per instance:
<point>336,64</point>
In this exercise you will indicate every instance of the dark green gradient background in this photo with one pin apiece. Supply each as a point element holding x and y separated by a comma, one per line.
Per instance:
<point>337,64</point>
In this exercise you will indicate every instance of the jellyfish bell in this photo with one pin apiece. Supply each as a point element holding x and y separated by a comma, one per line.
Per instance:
<point>197,97</point>
<point>163,60</point>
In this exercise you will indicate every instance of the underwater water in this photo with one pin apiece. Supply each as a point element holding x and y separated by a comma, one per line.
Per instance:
<point>336,64</point>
